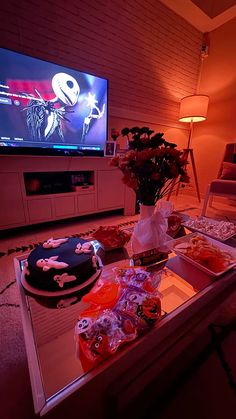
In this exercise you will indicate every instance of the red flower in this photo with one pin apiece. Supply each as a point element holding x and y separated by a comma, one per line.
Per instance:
<point>155,176</point>
<point>185,178</point>
<point>123,164</point>
<point>131,154</point>
<point>129,179</point>
<point>150,163</point>
<point>115,161</point>
<point>182,161</point>
<point>145,154</point>
<point>174,170</point>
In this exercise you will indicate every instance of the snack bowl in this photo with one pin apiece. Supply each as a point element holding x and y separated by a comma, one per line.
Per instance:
<point>205,253</point>
<point>111,237</point>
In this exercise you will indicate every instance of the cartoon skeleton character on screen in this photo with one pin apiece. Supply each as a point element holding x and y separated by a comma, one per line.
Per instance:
<point>94,113</point>
<point>44,117</point>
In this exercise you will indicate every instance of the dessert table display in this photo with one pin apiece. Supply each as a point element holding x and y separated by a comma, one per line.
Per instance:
<point>145,320</point>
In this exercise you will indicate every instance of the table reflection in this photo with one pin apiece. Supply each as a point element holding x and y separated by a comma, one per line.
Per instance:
<point>54,319</point>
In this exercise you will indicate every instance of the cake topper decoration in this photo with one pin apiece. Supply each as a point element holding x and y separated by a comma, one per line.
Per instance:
<point>94,261</point>
<point>47,264</point>
<point>84,248</point>
<point>136,297</point>
<point>83,325</point>
<point>53,243</point>
<point>63,278</point>
<point>25,264</point>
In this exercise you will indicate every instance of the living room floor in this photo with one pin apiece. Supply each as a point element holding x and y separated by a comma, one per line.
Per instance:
<point>205,392</point>
<point>187,204</point>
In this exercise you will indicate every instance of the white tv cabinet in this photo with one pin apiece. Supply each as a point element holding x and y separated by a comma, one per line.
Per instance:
<point>36,189</point>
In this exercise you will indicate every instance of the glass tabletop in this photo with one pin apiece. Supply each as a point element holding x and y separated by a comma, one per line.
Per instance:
<point>54,319</point>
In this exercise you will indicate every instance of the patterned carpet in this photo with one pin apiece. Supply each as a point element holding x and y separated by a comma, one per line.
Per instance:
<point>85,234</point>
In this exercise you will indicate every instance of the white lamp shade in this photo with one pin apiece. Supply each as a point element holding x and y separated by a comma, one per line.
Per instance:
<point>193,108</point>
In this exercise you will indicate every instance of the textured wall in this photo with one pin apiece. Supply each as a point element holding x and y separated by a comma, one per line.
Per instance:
<point>149,54</point>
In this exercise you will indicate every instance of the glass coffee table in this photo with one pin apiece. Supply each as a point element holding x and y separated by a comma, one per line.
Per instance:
<point>56,373</point>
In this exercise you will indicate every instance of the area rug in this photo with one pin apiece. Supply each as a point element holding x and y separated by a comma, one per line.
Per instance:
<point>85,234</point>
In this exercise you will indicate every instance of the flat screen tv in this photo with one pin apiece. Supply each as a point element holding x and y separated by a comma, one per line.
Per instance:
<point>46,108</point>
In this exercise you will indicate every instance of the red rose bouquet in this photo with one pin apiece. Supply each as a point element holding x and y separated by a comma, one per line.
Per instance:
<point>151,165</point>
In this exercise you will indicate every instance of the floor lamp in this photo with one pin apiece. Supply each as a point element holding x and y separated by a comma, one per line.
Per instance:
<point>192,109</point>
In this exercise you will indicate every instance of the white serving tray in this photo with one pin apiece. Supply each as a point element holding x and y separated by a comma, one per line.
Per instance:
<point>213,222</point>
<point>220,245</point>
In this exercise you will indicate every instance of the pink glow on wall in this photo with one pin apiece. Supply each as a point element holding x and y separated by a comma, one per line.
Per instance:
<point>219,82</point>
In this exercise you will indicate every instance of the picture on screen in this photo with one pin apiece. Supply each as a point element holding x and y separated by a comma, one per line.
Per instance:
<point>46,105</point>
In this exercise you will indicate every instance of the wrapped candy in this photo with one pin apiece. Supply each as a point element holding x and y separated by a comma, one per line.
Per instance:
<point>138,277</point>
<point>117,311</point>
<point>174,224</point>
<point>102,296</point>
<point>101,336</point>
<point>142,307</point>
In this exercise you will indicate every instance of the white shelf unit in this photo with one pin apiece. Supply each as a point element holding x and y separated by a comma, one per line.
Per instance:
<point>19,207</point>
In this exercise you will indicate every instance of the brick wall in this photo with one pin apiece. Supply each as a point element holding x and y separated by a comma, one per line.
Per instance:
<point>149,54</point>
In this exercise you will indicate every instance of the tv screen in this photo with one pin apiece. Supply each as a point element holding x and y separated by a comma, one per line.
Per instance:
<point>46,108</point>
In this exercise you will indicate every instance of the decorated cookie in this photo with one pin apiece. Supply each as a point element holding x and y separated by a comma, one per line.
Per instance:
<point>52,262</point>
<point>83,248</point>
<point>63,278</point>
<point>53,243</point>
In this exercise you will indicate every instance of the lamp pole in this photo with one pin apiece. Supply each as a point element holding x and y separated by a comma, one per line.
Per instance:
<point>186,153</point>
<point>190,134</point>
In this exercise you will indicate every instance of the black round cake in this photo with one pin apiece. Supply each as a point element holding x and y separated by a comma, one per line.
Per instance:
<point>60,264</point>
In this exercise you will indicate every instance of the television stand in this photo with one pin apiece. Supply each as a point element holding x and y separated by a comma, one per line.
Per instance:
<point>37,189</point>
<point>48,183</point>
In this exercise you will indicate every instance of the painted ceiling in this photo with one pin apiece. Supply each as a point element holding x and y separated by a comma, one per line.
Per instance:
<point>205,15</point>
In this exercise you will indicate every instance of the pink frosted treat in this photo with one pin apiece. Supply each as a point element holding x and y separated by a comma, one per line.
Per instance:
<point>52,262</point>
<point>64,278</point>
<point>83,248</point>
<point>53,243</point>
